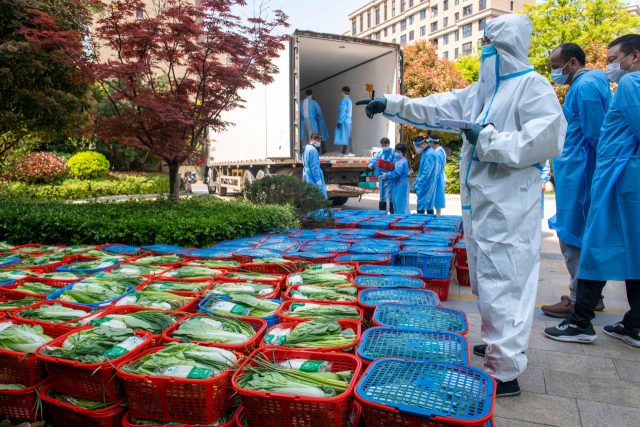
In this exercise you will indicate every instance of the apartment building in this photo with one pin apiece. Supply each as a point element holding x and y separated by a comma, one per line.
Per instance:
<point>454,26</point>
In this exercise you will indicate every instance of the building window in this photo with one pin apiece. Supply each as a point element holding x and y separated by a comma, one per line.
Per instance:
<point>229,60</point>
<point>403,3</point>
<point>466,49</point>
<point>355,28</point>
<point>434,26</point>
<point>411,37</point>
<point>385,12</point>
<point>369,36</point>
<point>393,8</point>
<point>377,16</point>
<point>423,15</point>
<point>411,20</point>
<point>457,2</point>
<point>466,31</point>
<point>445,5</point>
<point>361,23</point>
<point>403,25</point>
<point>481,24</point>
<point>386,31</point>
<point>434,11</point>
<point>393,28</point>
<point>511,5</point>
<point>457,33</point>
<point>482,5</point>
<point>393,41</point>
<point>467,10</point>
<point>446,55</point>
<point>434,42</point>
<point>139,14</point>
<point>445,22</point>
<point>423,31</point>
<point>378,36</point>
<point>445,39</point>
<point>368,20</point>
<point>410,3</point>
<point>403,39</point>
<point>455,55</point>
<point>457,16</point>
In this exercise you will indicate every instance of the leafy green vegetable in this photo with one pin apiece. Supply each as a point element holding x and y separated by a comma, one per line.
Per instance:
<point>193,273</point>
<point>247,288</point>
<point>54,313</point>
<point>156,260</point>
<point>119,278</point>
<point>100,254</point>
<point>59,275</point>
<point>14,274</point>
<point>213,263</point>
<point>18,303</point>
<point>215,329</point>
<point>90,405</point>
<point>155,299</point>
<point>77,249</point>
<point>22,338</point>
<point>176,286</point>
<point>247,306</point>
<point>4,246</point>
<point>329,268</point>
<point>103,263</point>
<point>317,311</point>
<point>147,320</point>
<point>38,261</point>
<point>316,333</point>
<point>36,288</point>
<point>317,278</point>
<point>320,293</point>
<point>93,293</point>
<point>37,249</point>
<point>252,276</point>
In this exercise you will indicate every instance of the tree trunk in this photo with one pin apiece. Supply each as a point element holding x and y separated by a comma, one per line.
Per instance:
<point>174,181</point>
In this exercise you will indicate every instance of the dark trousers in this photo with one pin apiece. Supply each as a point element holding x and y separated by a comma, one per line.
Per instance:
<point>588,296</point>
<point>383,206</point>
<point>428,212</point>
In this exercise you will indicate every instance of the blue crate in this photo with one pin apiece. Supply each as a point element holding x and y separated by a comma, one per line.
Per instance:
<point>424,248</point>
<point>271,320</point>
<point>398,233</point>
<point>310,255</point>
<point>452,228</point>
<point>266,240</point>
<point>330,231</point>
<point>54,296</point>
<point>67,268</point>
<point>121,249</point>
<point>359,233</point>
<point>389,282</point>
<point>308,235</point>
<point>233,245</point>
<point>164,249</point>
<point>443,234</point>
<point>282,246</point>
<point>374,225</point>
<point>6,282</point>
<point>421,317</point>
<point>373,297</point>
<point>461,245</point>
<point>441,392</point>
<point>389,270</point>
<point>429,242</point>
<point>8,260</point>
<point>326,247</point>
<point>259,253</point>
<point>342,239</point>
<point>362,258</point>
<point>364,249</point>
<point>222,253</point>
<point>434,265</point>
<point>420,346</point>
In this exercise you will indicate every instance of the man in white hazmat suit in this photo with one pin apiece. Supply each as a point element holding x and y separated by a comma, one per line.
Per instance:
<point>518,126</point>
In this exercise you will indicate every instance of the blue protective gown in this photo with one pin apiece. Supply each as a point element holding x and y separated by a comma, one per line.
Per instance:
<point>441,157</point>
<point>316,118</point>
<point>425,184</point>
<point>545,176</point>
<point>400,186</point>
<point>312,173</point>
<point>611,243</point>
<point>585,106</point>
<point>344,112</point>
<point>384,184</point>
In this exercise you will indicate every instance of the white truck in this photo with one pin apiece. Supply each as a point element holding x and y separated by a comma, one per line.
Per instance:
<point>265,136</point>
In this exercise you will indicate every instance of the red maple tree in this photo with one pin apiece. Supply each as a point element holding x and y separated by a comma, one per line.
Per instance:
<point>166,74</point>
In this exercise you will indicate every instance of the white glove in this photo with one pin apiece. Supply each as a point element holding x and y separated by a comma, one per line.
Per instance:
<point>384,176</point>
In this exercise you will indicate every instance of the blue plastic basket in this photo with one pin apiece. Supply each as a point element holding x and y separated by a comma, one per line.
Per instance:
<point>309,255</point>
<point>461,245</point>
<point>282,246</point>
<point>56,294</point>
<point>121,249</point>
<point>8,260</point>
<point>420,346</point>
<point>362,258</point>
<point>398,233</point>
<point>452,228</point>
<point>389,282</point>
<point>326,247</point>
<point>271,320</point>
<point>390,270</point>
<point>374,225</point>
<point>309,235</point>
<point>68,268</point>
<point>6,282</point>
<point>359,233</point>
<point>429,242</point>
<point>441,392</point>
<point>222,253</point>
<point>427,248</point>
<point>278,239</point>
<point>374,297</point>
<point>434,265</point>
<point>330,231</point>
<point>163,249</point>
<point>244,240</point>
<point>258,253</point>
<point>443,234</point>
<point>421,317</point>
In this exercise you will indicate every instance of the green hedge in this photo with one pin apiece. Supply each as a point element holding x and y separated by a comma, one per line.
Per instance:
<point>116,185</point>
<point>193,222</point>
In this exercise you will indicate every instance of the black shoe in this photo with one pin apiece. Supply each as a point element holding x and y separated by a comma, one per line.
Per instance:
<point>506,389</point>
<point>569,332</point>
<point>480,350</point>
<point>600,305</point>
<point>631,337</point>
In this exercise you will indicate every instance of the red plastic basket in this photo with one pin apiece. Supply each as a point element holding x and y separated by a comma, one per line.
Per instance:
<point>321,260</point>
<point>67,415</point>
<point>287,296</point>
<point>352,421</point>
<point>41,269</point>
<point>176,399</point>
<point>284,307</point>
<point>439,286</point>
<point>258,325</point>
<point>278,282</point>
<point>462,274</point>
<point>405,227</point>
<point>461,256</point>
<point>346,324</point>
<point>95,381</point>
<point>9,292</point>
<point>56,283</point>
<point>350,278</point>
<point>126,422</point>
<point>55,330</point>
<point>279,269</point>
<point>15,368</point>
<point>25,249</point>
<point>384,165</point>
<point>279,410</point>
<point>20,405</point>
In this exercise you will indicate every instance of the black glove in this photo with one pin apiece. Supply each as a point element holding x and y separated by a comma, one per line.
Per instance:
<point>374,106</point>
<point>339,125</point>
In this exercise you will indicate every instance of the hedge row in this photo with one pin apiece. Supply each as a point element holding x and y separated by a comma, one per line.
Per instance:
<point>192,222</point>
<point>116,185</point>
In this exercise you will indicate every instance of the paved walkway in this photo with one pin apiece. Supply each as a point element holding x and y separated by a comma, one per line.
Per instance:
<point>565,384</point>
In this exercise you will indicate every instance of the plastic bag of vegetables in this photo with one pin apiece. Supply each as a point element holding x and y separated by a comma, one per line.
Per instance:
<point>323,293</point>
<point>306,310</point>
<point>145,320</point>
<point>100,264</point>
<point>329,268</point>
<point>35,288</point>
<point>317,278</point>
<point>215,329</point>
<point>155,299</point>
<point>318,333</point>
<point>93,293</point>
<point>159,260</point>
<point>162,285</point>
<point>38,261</point>
<point>193,273</point>
<point>213,263</point>
<point>22,338</point>
<point>52,313</point>
<point>239,305</point>
<point>246,288</point>
<point>137,269</point>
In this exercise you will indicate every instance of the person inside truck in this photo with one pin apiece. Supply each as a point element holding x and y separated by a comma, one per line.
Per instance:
<point>343,129</point>
<point>425,184</point>
<point>389,155</point>
<point>312,120</point>
<point>399,178</point>
<point>312,173</point>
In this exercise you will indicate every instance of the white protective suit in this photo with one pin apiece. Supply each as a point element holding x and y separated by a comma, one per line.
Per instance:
<point>500,183</point>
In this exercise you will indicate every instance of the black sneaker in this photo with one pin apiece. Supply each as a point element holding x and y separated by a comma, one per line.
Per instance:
<point>569,332</point>
<point>631,337</point>
<point>480,350</point>
<point>506,389</point>
<point>600,305</point>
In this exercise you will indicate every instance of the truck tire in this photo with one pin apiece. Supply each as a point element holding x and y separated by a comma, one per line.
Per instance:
<point>339,201</point>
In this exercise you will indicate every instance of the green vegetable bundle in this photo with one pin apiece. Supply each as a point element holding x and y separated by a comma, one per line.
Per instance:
<point>318,333</point>
<point>54,313</point>
<point>5,247</point>
<point>329,268</point>
<point>36,288</point>
<point>157,260</point>
<point>176,286</point>
<point>191,361</point>
<point>93,293</point>
<point>14,274</point>
<point>100,254</point>
<point>119,278</point>
<point>213,263</point>
<point>138,269</point>
<point>278,261</point>
<point>60,275</point>
<point>12,387</point>
<point>215,329</point>
<point>320,293</point>
<point>37,249</point>
<point>90,405</point>
<point>240,305</point>
<point>100,264</point>
<point>306,310</point>
<point>193,273</point>
<point>77,249</point>
<point>252,276</point>
<point>146,320</point>
<point>247,288</point>
<point>38,261</point>
<point>316,278</point>
<point>155,299</point>
<point>18,303</point>
<point>22,338</point>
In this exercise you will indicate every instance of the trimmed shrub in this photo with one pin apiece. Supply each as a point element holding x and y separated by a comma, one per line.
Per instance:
<point>39,167</point>
<point>89,165</point>
<point>193,222</point>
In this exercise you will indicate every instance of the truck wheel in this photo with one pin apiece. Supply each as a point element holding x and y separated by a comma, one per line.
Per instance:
<point>339,201</point>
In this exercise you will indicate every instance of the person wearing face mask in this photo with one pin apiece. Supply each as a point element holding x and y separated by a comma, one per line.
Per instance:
<point>517,126</point>
<point>312,173</point>
<point>611,242</point>
<point>389,155</point>
<point>399,178</point>
<point>585,106</point>
<point>441,162</point>
<point>424,185</point>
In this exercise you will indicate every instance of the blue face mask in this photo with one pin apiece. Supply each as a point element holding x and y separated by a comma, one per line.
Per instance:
<point>385,149</point>
<point>419,150</point>
<point>558,77</point>
<point>488,51</point>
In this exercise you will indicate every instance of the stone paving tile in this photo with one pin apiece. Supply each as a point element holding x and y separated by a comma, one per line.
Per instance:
<point>594,414</point>
<point>606,346</point>
<point>627,370</point>
<point>505,422</point>
<point>616,392</point>
<point>538,408</point>
<point>599,367</point>
<point>539,341</point>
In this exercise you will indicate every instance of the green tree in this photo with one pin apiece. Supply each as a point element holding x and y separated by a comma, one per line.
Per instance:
<point>469,66</point>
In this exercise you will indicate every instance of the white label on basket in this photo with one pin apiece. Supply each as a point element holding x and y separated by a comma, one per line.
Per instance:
<point>295,279</point>
<point>5,325</point>
<point>124,347</point>
<point>214,323</point>
<point>322,266</point>
<point>184,371</point>
<point>266,291</point>
<point>230,307</point>
<point>277,336</point>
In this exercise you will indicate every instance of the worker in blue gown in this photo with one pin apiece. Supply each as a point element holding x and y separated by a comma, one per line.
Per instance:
<point>545,175</point>
<point>312,119</point>
<point>425,183</point>
<point>389,155</point>
<point>343,128</point>
<point>312,173</point>
<point>438,201</point>
<point>399,178</point>
<point>611,243</point>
